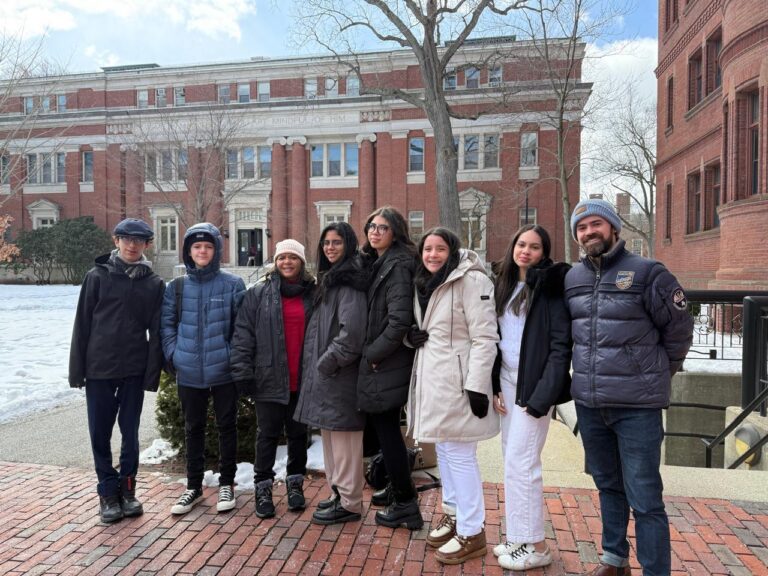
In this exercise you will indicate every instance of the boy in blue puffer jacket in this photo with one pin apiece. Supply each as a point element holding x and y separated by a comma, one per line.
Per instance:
<point>196,343</point>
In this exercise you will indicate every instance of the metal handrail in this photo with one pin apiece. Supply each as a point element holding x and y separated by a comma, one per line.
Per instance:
<point>720,438</point>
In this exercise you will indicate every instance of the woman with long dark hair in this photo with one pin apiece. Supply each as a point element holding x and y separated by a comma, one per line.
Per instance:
<point>332,348</point>
<point>389,256</point>
<point>451,384</point>
<point>530,376</point>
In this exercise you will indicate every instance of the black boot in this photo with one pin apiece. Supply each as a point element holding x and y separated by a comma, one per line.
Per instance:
<point>383,497</point>
<point>335,514</point>
<point>265,508</point>
<point>131,506</point>
<point>295,486</point>
<point>109,508</point>
<point>328,502</point>
<point>404,511</point>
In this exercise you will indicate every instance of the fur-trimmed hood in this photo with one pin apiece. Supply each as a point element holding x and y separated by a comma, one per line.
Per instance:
<point>548,277</point>
<point>348,273</point>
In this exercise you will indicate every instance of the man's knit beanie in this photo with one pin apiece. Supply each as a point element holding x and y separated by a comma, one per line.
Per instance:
<point>595,207</point>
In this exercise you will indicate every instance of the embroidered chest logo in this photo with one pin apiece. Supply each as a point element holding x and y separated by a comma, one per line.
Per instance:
<point>679,299</point>
<point>624,279</point>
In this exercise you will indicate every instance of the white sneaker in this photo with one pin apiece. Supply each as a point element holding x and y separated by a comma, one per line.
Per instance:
<point>187,501</point>
<point>525,558</point>
<point>505,548</point>
<point>226,499</point>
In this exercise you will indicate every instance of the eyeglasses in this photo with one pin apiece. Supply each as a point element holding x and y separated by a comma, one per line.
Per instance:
<point>133,240</point>
<point>379,228</point>
<point>335,243</point>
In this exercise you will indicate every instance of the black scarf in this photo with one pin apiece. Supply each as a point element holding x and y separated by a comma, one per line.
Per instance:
<point>292,289</point>
<point>424,290</point>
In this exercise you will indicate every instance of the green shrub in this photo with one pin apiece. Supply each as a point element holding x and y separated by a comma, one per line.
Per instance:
<point>170,423</point>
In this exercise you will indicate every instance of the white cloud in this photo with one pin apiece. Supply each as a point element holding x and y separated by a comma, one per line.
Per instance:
<point>101,57</point>
<point>31,18</point>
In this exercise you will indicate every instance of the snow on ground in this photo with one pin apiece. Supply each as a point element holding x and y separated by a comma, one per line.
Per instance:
<point>35,332</point>
<point>162,450</point>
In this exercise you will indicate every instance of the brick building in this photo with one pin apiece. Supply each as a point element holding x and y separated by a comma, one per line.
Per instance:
<point>712,182</point>
<point>276,148</point>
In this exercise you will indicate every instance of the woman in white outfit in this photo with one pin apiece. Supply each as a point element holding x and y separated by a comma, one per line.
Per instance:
<point>449,402</point>
<point>530,376</point>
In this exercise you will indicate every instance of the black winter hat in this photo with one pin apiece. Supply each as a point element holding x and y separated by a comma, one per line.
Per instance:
<point>134,227</point>
<point>200,236</point>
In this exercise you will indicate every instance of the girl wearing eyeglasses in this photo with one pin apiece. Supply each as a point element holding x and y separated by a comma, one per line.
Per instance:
<point>332,347</point>
<point>389,256</point>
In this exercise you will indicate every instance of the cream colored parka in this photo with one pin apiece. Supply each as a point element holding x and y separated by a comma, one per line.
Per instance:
<point>458,356</point>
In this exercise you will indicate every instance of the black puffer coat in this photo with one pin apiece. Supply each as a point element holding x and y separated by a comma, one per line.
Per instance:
<point>390,316</point>
<point>543,376</point>
<point>259,359</point>
<point>333,343</point>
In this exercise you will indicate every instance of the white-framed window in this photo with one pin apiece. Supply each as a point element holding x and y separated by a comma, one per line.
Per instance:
<point>416,224</point>
<point>471,151</point>
<point>161,100</point>
<point>29,105</point>
<point>244,93</point>
<point>32,174</point>
<point>182,164</point>
<point>223,93</point>
<point>231,171</point>
<point>166,165</point>
<point>249,163</point>
<point>310,88</point>
<point>494,75</point>
<point>317,160</point>
<point>334,159</point>
<point>529,149</point>
<point>416,154</point>
<point>61,102</point>
<point>528,217</point>
<point>46,168</point>
<point>86,174</point>
<point>353,85</point>
<point>263,90</point>
<point>330,211</point>
<point>142,98</point>
<point>179,96</point>
<point>331,87</point>
<point>150,167</point>
<point>637,246</point>
<point>265,161</point>
<point>61,167</point>
<point>472,77</point>
<point>351,159</point>
<point>43,214</point>
<point>491,151</point>
<point>474,205</point>
<point>45,104</point>
<point>167,233</point>
<point>449,80</point>
<point>5,169</point>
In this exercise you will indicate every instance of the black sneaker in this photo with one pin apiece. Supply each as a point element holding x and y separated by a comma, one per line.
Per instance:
<point>265,508</point>
<point>110,509</point>
<point>295,486</point>
<point>187,501</point>
<point>336,514</point>
<point>130,505</point>
<point>226,499</point>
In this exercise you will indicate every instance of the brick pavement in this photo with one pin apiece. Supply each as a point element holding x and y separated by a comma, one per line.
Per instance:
<point>49,525</point>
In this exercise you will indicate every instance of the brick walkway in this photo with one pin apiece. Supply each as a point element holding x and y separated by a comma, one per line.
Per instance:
<point>49,525</point>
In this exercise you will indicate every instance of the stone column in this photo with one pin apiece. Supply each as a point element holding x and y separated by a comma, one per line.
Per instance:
<point>366,176</point>
<point>299,185</point>
<point>279,201</point>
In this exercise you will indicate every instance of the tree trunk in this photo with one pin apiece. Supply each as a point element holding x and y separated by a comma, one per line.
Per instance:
<point>562,178</point>
<point>446,166</point>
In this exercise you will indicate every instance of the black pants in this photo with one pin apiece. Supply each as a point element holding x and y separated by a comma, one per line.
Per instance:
<point>107,401</point>
<point>387,426</point>
<point>272,417</point>
<point>194,404</point>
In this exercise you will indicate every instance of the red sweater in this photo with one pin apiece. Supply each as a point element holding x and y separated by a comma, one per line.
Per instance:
<point>293,323</point>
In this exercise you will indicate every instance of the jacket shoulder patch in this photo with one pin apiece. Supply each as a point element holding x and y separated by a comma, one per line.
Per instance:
<point>679,299</point>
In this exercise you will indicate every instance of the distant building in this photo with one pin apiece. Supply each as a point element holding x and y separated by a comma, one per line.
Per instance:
<point>712,151</point>
<point>287,146</point>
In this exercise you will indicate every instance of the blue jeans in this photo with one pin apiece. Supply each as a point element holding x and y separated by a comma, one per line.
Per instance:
<point>623,452</point>
<point>107,401</point>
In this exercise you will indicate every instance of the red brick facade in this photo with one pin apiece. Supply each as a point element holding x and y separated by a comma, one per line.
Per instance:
<point>366,142</point>
<point>712,182</point>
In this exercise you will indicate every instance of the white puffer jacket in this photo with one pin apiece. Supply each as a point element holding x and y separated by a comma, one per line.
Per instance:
<point>458,356</point>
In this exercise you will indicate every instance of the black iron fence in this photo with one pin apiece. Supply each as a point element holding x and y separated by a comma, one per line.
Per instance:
<point>718,323</point>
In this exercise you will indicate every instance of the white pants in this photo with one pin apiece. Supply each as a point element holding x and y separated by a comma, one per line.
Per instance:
<point>462,485</point>
<point>522,440</point>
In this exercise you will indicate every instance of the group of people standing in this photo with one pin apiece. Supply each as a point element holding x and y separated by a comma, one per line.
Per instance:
<point>387,325</point>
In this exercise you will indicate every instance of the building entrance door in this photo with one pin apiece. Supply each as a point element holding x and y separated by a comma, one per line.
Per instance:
<point>250,247</point>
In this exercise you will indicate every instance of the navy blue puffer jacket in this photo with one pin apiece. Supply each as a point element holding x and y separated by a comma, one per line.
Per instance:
<point>631,330</point>
<point>199,345</point>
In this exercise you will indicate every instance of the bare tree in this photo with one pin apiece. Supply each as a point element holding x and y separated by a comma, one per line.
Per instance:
<point>626,162</point>
<point>558,31</point>
<point>28,86</point>
<point>193,158</point>
<point>433,30</point>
